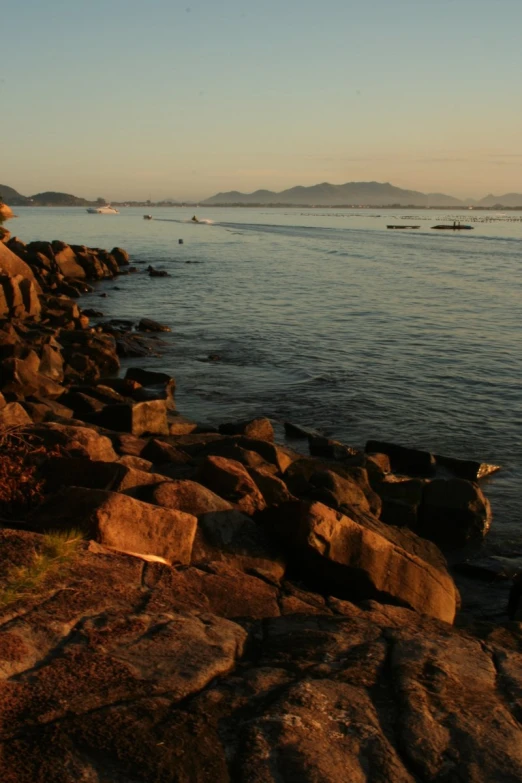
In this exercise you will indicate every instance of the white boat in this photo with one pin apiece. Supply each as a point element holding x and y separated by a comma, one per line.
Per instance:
<point>106,210</point>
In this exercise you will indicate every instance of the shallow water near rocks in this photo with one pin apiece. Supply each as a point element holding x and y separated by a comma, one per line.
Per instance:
<point>328,319</point>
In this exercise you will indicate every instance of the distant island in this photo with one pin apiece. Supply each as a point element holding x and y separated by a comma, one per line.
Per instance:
<point>359,195</point>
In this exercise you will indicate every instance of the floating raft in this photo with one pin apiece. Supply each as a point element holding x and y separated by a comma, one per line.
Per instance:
<point>454,227</point>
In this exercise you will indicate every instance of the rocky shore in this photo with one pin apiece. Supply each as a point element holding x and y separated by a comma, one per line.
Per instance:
<point>186,603</point>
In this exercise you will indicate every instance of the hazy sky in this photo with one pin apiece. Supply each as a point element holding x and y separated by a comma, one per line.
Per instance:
<point>159,98</point>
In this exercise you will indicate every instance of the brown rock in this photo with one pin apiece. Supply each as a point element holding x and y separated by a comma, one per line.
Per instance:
<point>188,496</point>
<point>120,522</point>
<point>350,560</point>
<point>259,428</point>
<point>79,441</point>
<point>230,480</point>
<point>13,415</point>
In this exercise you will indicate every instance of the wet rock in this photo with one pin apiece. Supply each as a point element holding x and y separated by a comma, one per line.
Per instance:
<point>321,446</point>
<point>468,469</point>
<point>121,256</point>
<point>412,462</point>
<point>120,522</point>
<point>298,432</point>
<point>148,325</point>
<point>259,428</point>
<point>401,500</point>
<point>453,512</point>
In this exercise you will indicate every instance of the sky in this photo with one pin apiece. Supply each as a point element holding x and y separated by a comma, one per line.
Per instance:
<point>127,99</point>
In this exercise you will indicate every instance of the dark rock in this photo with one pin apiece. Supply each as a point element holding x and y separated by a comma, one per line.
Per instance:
<point>412,462</point>
<point>138,418</point>
<point>298,432</point>
<point>453,512</point>
<point>148,325</point>
<point>468,469</point>
<point>231,481</point>
<point>121,256</point>
<point>160,452</point>
<point>157,272</point>
<point>188,496</point>
<point>77,440</point>
<point>339,555</point>
<point>13,415</point>
<point>259,428</point>
<point>234,538</point>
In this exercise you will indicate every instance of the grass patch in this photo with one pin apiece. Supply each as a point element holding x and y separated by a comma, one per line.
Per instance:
<point>57,549</point>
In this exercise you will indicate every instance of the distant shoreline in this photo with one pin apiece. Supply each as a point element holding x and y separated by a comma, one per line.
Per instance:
<point>162,205</point>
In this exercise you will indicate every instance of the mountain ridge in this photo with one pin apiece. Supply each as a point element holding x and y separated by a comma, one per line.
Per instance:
<point>359,194</point>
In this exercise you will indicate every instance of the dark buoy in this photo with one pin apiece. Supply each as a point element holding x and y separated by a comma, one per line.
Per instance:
<point>180,241</point>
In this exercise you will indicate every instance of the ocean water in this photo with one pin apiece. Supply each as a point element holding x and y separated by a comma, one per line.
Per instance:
<point>326,318</point>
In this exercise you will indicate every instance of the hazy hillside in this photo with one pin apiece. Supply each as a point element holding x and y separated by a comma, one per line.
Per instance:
<point>12,197</point>
<point>352,193</point>
<point>51,198</point>
<point>507,200</point>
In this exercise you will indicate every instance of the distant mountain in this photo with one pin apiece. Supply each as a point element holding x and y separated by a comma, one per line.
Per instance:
<point>507,200</point>
<point>371,194</point>
<point>52,199</point>
<point>12,197</point>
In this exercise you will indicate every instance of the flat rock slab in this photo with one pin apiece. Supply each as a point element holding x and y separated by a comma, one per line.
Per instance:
<point>122,671</point>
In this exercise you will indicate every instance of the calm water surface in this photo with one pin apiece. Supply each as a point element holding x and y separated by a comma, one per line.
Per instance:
<point>326,318</point>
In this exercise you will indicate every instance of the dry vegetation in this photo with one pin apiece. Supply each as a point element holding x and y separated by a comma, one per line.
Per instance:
<point>21,488</point>
<point>57,548</point>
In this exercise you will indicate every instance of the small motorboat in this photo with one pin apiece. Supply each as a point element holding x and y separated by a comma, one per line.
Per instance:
<point>194,220</point>
<point>106,210</point>
<point>456,226</point>
<point>147,217</point>
<point>402,226</point>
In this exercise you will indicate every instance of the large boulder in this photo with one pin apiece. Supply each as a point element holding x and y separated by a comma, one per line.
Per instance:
<point>345,492</point>
<point>138,418</point>
<point>234,538</point>
<point>337,553</point>
<point>401,498</point>
<point>453,512</point>
<point>65,257</point>
<point>188,496</point>
<point>75,440</point>
<point>259,428</point>
<point>230,480</point>
<point>412,462</point>
<point>120,522</point>
<point>13,415</point>
<point>11,264</point>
